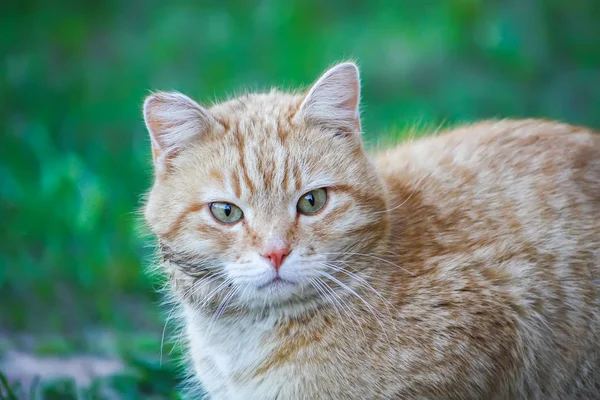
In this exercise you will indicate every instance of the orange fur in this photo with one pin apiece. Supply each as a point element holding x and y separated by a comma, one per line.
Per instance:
<point>460,266</point>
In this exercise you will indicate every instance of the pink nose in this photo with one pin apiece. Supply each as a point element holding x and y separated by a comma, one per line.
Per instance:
<point>277,256</point>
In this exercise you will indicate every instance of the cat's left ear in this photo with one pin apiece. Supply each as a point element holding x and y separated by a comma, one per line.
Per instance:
<point>333,101</point>
<point>174,121</point>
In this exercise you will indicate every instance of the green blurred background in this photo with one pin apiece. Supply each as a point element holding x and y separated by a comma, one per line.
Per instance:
<point>74,155</point>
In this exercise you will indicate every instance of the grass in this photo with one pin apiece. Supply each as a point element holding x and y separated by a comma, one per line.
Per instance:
<point>143,380</point>
<point>147,374</point>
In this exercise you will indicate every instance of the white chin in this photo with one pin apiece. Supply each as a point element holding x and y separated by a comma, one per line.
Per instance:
<point>276,290</point>
<point>279,287</point>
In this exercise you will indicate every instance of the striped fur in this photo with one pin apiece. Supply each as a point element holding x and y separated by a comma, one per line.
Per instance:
<point>459,266</point>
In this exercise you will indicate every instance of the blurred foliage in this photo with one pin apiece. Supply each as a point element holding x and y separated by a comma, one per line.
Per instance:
<point>142,380</point>
<point>75,158</point>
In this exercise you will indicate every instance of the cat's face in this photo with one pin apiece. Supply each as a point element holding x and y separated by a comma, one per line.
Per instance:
<point>268,196</point>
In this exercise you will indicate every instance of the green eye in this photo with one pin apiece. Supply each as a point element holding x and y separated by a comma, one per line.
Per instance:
<point>227,213</point>
<point>312,202</point>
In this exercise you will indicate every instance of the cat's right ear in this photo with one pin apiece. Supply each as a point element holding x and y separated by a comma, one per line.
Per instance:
<point>334,100</point>
<point>173,120</point>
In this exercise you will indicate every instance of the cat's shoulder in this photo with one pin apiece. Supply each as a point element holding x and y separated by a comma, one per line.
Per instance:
<point>507,139</point>
<point>518,132</point>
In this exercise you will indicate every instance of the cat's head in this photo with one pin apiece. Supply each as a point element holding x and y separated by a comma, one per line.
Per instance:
<point>265,196</point>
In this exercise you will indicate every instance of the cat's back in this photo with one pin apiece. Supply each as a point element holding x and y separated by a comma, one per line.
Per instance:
<point>512,210</point>
<point>529,176</point>
<point>507,148</point>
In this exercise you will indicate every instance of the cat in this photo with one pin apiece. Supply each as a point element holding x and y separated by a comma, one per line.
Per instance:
<point>463,265</point>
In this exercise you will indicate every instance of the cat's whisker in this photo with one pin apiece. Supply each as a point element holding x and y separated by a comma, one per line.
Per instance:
<point>174,313</point>
<point>244,290</point>
<point>162,337</point>
<point>211,279</point>
<point>371,279</point>
<point>317,285</point>
<point>342,285</point>
<point>177,342</point>
<point>228,300</point>
<point>353,292</point>
<point>215,292</point>
<point>186,295</point>
<point>344,306</point>
<point>329,293</point>
<point>417,186</point>
<point>363,283</point>
<point>222,307</point>
<point>353,275</point>
<point>374,257</point>
<point>195,288</point>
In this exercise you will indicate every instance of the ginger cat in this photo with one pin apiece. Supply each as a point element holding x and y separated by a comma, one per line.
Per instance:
<point>460,266</point>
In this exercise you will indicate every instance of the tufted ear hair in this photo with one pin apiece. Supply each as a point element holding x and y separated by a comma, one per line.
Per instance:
<point>173,120</point>
<point>334,99</point>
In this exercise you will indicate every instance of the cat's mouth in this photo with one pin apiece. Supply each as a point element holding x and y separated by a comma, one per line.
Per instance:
<point>277,282</point>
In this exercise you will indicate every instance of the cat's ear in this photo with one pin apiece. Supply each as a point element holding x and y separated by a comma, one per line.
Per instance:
<point>334,99</point>
<point>173,120</point>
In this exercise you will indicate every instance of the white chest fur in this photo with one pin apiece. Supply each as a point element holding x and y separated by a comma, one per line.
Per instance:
<point>225,354</point>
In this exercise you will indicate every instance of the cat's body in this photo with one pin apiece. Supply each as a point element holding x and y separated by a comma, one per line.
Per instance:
<point>461,266</point>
